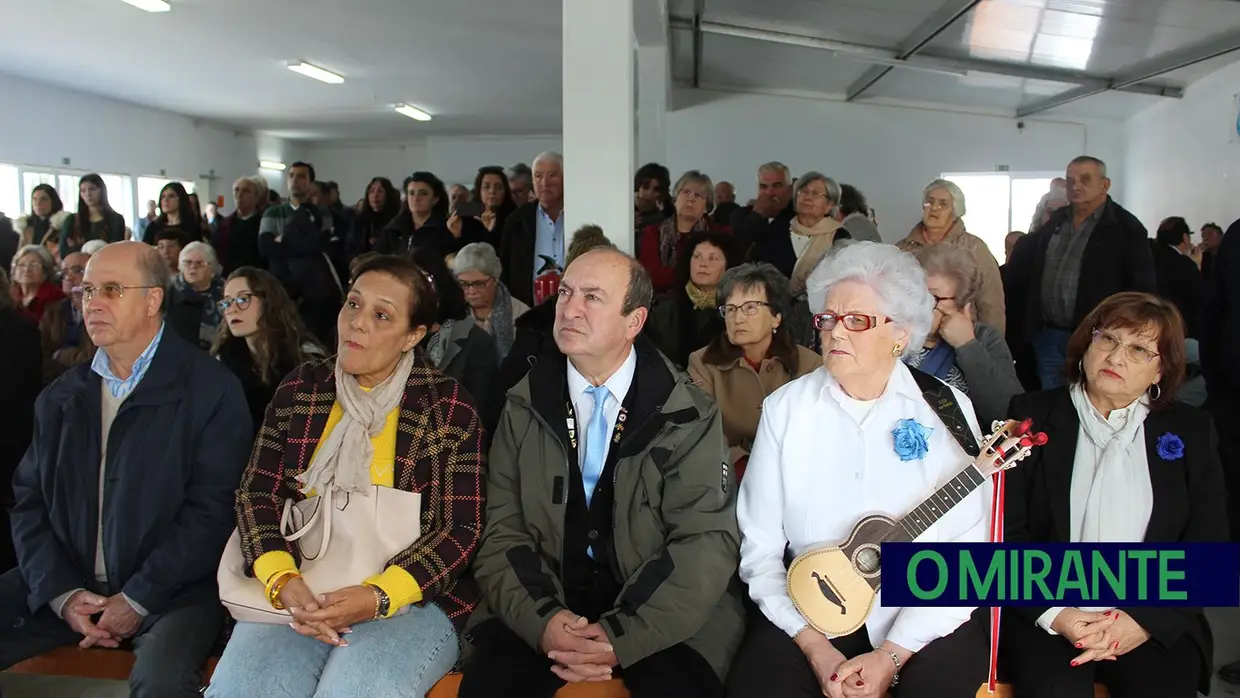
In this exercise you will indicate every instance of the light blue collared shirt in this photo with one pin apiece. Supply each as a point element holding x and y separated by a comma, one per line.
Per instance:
<point>548,240</point>
<point>119,388</point>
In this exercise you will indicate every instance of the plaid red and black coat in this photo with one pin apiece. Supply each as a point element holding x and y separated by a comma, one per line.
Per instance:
<point>438,455</point>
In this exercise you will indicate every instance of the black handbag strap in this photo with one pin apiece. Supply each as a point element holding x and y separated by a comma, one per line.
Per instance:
<point>941,399</point>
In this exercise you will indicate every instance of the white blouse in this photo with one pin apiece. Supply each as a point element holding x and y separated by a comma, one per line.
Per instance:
<point>815,471</point>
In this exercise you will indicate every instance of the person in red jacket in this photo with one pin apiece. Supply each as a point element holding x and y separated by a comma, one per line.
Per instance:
<point>661,245</point>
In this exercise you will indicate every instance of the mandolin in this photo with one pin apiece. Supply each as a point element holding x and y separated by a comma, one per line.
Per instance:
<point>834,587</point>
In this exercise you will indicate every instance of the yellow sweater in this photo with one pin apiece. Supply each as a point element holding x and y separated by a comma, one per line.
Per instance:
<point>399,585</point>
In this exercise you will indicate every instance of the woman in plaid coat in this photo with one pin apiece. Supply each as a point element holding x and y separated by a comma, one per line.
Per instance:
<point>376,414</point>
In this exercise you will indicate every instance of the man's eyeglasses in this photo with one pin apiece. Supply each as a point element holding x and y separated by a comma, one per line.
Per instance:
<point>242,301</point>
<point>109,292</point>
<point>853,322</point>
<point>1135,353</point>
<point>193,263</point>
<point>938,300</point>
<point>747,308</point>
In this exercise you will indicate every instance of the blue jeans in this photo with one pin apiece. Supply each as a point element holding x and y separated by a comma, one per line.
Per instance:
<point>1050,348</point>
<point>403,657</point>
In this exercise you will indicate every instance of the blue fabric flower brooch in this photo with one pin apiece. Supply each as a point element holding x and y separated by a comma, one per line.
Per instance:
<point>1170,447</point>
<point>911,439</point>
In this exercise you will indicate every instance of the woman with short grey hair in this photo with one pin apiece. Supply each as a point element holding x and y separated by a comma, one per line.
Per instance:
<point>34,286</point>
<point>942,222</point>
<point>835,446</point>
<point>816,226</point>
<point>478,270</point>
<point>754,356</point>
<point>971,356</point>
<point>197,289</point>
<point>662,245</point>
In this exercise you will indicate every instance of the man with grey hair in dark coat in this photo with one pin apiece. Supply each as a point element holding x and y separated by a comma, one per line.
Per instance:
<point>124,500</point>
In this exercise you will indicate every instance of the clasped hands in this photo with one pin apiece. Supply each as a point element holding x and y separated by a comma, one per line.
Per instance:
<point>1101,636</point>
<point>580,649</point>
<point>867,675</point>
<point>119,621</point>
<point>327,617</point>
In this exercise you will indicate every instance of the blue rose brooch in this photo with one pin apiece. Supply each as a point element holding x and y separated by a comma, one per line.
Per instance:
<point>911,439</point>
<point>1170,447</point>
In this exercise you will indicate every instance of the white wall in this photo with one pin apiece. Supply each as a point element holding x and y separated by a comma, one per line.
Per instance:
<point>451,159</point>
<point>888,152</point>
<point>1184,155</point>
<point>42,125</point>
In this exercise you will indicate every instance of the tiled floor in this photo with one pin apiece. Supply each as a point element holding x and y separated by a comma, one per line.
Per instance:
<point>1224,622</point>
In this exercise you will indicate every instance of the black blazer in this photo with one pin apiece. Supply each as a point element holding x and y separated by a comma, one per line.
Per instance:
<point>1182,283</point>
<point>516,252</point>
<point>176,451</point>
<point>1189,499</point>
<point>1116,258</point>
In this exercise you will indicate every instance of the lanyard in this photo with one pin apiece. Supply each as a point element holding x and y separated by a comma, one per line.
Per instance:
<point>571,422</point>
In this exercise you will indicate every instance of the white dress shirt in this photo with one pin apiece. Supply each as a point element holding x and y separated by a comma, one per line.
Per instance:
<point>815,471</point>
<point>583,402</point>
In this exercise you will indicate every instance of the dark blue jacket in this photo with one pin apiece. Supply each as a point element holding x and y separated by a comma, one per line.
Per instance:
<point>176,452</point>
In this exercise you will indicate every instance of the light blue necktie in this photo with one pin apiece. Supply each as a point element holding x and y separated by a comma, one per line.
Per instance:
<point>596,441</point>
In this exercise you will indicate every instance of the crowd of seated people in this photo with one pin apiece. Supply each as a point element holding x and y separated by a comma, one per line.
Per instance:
<point>581,464</point>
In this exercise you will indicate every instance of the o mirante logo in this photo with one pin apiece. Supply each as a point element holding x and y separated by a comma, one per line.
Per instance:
<point>1102,574</point>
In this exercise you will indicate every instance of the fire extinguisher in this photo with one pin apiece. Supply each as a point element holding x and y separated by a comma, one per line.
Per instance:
<point>547,283</point>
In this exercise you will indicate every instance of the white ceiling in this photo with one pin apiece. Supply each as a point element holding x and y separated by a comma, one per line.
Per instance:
<point>479,66</point>
<point>493,67</point>
<point>1090,38</point>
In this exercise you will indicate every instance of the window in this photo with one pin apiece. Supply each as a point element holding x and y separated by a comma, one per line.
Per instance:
<point>998,203</point>
<point>10,192</point>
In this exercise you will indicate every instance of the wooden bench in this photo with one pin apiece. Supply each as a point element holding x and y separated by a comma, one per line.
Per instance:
<point>116,665</point>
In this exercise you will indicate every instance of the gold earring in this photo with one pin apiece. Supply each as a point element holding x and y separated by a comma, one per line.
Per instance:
<point>895,351</point>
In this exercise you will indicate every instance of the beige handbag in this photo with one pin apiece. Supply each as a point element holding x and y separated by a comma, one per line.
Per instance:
<point>340,546</point>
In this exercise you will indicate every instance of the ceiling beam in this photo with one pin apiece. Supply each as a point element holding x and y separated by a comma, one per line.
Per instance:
<point>934,25</point>
<point>699,8</point>
<point>1135,76</point>
<point>880,56</point>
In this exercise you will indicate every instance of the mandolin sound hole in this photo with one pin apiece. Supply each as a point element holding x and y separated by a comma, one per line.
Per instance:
<point>869,560</point>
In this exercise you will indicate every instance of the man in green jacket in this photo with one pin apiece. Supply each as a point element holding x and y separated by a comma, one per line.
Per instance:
<point>611,545</point>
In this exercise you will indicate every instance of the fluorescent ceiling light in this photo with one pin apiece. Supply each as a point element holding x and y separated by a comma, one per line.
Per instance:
<point>150,5</point>
<point>313,71</point>
<point>413,112</point>
<point>271,165</point>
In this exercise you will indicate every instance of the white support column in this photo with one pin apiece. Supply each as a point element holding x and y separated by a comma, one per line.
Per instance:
<point>599,118</point>
<point>652,90</point>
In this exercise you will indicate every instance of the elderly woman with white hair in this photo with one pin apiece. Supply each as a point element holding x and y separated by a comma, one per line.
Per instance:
<point>477,269</point>
<point>193,308</point>
<point>868,435</point>
<point>942,222</point>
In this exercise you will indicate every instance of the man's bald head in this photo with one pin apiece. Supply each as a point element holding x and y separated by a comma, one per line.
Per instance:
<point>127,283</point>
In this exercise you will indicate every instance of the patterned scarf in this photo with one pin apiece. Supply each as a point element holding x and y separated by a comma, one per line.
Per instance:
<point>668,236</point>
<point>502,327</point>
<point>437,345</point>
<point>702,299</point>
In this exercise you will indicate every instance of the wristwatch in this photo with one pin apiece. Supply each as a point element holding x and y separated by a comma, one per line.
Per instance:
<point>383,602</point>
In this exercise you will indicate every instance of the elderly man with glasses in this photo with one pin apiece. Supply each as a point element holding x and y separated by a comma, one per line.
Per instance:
<point>124,500</point>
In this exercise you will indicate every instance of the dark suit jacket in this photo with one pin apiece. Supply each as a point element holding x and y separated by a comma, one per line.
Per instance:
<point>516,252</point>
<point>1189,499</point>
<point>176,451</point>
<point>1220,340</point>
<point>1181,282</point>
<point>1117,258</point>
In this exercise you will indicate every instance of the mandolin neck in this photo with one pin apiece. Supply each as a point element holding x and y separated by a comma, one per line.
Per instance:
<point>936,505</point>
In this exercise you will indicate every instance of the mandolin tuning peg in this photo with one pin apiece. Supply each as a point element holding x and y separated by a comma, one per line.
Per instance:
<point>1024,427</point>
<point>1040,439</point>
<point>1026,442</point>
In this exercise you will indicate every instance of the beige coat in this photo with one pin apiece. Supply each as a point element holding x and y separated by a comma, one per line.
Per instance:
<point>739,391</point>
<point>989,308</point>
